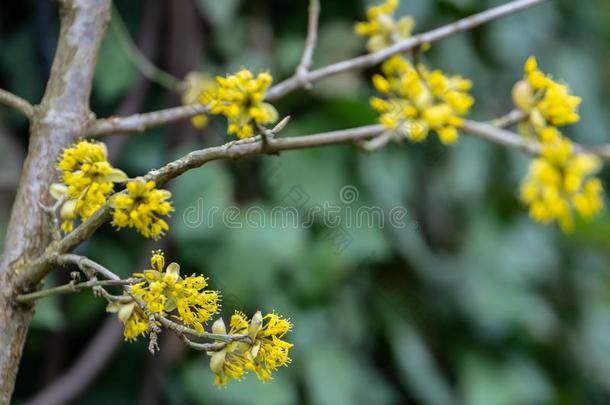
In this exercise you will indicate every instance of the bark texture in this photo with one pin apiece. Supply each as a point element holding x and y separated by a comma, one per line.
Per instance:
<point>62,115</point>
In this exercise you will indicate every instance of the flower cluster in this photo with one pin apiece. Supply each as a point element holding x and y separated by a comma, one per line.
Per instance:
<point>263,353</point>
<point>546,102</point>
<point>164,291</point>
<point>239,97</point>
<point>141,208</point>
<point>199,88</point>
<point>255,345</point>
<point>381,28</point>
<point>560,182</point>
<point>417,100</point>
<point>87,179</point>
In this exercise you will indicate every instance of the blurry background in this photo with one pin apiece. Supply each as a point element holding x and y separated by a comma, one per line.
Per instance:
<point>469,303</point>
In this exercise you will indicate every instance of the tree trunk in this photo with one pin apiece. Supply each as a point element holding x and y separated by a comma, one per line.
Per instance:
<point>59,119</point>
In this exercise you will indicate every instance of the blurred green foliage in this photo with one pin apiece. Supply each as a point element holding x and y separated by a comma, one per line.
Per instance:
<point>471,303</point>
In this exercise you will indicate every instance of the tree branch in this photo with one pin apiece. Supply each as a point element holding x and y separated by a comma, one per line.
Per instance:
<point>84,263</point>
<point>310,41</point>
<point>501,136</point>
<point>511,118</point>
<point>70,288</point>
<point>142,122</point>
<point>232,150</point>
<point>365,61</point>
<point>18,103</point>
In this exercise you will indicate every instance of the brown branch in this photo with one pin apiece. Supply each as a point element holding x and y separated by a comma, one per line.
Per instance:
<point>232,150</point>
<point>310,41</point>
<point>84,263</point>
<point>18,103</point>
<point>501,136</point>
<point>142,122</point>
<point>71,288</point>
<point>511,118</point>
<point>365,61</point>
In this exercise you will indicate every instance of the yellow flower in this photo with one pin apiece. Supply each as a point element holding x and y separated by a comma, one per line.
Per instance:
<point>381,28</point>
<point>166,291</point>
<point>199,88</point>
<point>132,317</point>
<point>545,101</point>
<point>417,101</point>
<point>231,362</point>
<point>239,97</point>
<point>560,182</point>
<point>87,179</point>
<point>263,355</point>
<point>141,208</point>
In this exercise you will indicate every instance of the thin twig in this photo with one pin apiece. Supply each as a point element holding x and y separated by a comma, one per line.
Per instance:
<point>180,330</point>
<point>141,122</point>
<point>232,150</point>
<point>84,263</point>
<point>509,119</point>
<point>17,103</point>
<point>70,288</point>
<point>377,143</point>
<point>501,136</point>
<point>310,41</point>
<point>365,61</point>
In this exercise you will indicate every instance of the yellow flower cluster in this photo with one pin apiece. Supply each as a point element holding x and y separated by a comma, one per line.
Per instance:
<point>546,102</point>
<point>417,101</point>
<point>239,97</point>
<point>264,354</point>
<point>133,318</point>
<point>199,88</point>
<point>141,208</point>
<point>166,291</point>
<point>87,179</point>
<point>560,182</point>
<point>381,28</point>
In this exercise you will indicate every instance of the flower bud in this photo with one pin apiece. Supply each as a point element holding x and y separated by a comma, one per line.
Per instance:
<point>58,190</point>
<point>173,269</point>
<point>255,325</point>
<point>217,361</point>
<point>219,327</point>
<point>523,96</point>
